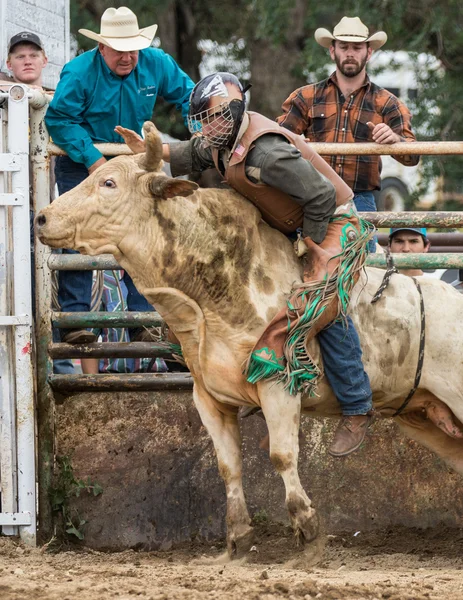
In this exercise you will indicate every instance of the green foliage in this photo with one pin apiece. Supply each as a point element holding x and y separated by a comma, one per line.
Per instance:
<point>169,120</point>
<point>260,517</point>
<point>271,17</point>
<point>65,487</point>
<point>419,26</point>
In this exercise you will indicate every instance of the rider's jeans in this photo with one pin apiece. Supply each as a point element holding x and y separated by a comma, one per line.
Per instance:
<point>342,360</point>
<point>365,202</point>
<point>75,287</point>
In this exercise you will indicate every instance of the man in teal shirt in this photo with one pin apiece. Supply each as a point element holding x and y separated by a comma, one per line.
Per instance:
<point>117,83</point>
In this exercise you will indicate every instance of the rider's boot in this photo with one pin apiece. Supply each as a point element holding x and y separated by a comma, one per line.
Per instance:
<point>350,434</point>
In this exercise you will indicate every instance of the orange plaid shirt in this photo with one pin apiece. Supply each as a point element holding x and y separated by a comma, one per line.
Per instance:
<point>321,113</point>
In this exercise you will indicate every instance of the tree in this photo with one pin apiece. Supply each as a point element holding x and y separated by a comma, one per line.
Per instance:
<point>275,37</point>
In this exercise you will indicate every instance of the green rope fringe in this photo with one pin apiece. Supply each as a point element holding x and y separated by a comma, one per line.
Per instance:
<point>263,364</point>
<point>309,301</point>
<point>175,349</point>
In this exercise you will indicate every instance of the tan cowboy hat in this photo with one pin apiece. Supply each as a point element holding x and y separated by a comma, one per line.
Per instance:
<point>350,30</point>
<point>119,31</point>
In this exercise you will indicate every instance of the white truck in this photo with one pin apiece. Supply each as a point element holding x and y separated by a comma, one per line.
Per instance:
<point>397,72</point>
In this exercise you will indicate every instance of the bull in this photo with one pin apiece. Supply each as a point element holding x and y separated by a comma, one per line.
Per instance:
<point>218,274</point>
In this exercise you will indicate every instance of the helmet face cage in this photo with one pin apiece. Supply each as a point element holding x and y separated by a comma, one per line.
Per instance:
<point>217,124</point>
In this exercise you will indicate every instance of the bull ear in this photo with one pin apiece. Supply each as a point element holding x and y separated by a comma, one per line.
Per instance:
<point>165,187</point>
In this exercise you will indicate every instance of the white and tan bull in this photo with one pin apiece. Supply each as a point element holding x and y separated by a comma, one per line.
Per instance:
<point>218,274</point>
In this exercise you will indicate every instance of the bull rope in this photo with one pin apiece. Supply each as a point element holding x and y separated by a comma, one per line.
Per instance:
<point>391,269</point>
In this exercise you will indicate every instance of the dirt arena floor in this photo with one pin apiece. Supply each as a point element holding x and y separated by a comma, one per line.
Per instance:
<point>399,564</point>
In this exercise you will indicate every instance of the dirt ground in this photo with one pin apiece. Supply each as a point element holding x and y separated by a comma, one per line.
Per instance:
<point>399,564</point>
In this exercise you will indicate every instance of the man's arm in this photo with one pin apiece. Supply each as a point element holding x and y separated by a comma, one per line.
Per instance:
<point>396,128</point>
<point>96,164</point>
<point>295,113</point>
<point>176,86</point>
<point>280,165</point>
<point>64,117</point>
<point>190,157</point>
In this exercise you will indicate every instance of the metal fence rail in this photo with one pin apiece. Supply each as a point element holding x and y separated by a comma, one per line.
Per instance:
<point>368,148</point>
<point>429,260</point>
<point>109,350</point>
<point>106,319</point>
<point>441,220</point>
<point>121,382</point>
<point>401,149</point>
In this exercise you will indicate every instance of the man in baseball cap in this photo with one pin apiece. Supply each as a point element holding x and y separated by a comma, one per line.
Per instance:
<point>25,37</point>
<point>407,240</point>
<point>26,58</point>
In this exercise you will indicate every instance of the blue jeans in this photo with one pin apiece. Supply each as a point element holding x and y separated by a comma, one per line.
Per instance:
<point>365,202</point>
<point>342,359</point>
<point>75,287</point>
<point>61,366</point>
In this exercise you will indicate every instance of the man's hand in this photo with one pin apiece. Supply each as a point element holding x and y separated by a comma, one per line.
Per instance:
<point>383,134</point>
<point>98,163</point>
<point>134,141</point>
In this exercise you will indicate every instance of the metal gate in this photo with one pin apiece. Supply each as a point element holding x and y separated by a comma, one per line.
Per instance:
<point>20,433</point>
<point>18,504</point>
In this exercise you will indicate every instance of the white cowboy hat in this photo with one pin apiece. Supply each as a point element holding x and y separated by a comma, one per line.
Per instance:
<point>350,30</point>
<point>119,31</point>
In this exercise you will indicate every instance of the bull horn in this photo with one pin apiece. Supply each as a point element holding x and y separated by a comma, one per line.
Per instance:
<point>153,156</point>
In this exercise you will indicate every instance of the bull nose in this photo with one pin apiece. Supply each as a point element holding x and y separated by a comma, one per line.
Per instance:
<point>41,220</point>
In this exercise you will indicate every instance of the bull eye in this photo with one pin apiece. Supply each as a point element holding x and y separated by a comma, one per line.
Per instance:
<point>109,183</point>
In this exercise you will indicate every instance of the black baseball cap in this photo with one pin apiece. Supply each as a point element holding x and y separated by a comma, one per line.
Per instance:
<point>25,37</point>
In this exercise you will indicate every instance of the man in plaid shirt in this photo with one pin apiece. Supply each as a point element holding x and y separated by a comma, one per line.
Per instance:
<point>348,107</point>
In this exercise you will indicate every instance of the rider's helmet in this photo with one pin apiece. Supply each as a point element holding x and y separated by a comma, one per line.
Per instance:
<point>217,105</point>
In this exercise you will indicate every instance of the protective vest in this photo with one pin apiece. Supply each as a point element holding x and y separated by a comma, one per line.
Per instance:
<point>278,209</point>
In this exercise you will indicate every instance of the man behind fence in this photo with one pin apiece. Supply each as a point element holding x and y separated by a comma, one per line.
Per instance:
<point>348,107</point>
<point>26,59</point>
<point>405,240</point>
<point>116,83</point>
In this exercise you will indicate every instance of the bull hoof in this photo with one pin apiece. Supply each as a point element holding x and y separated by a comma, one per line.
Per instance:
<point>311,556</point>
<point>239,545</point>
<point>306,528</point>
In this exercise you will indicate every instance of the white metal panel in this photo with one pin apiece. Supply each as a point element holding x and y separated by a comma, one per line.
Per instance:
<point>24,518</point>
<point>3,38</point>
<point>18,142</point>
<point>8,466</point>
<point>9,162</point>
<point>25,320</point>
<point>11,200</point>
